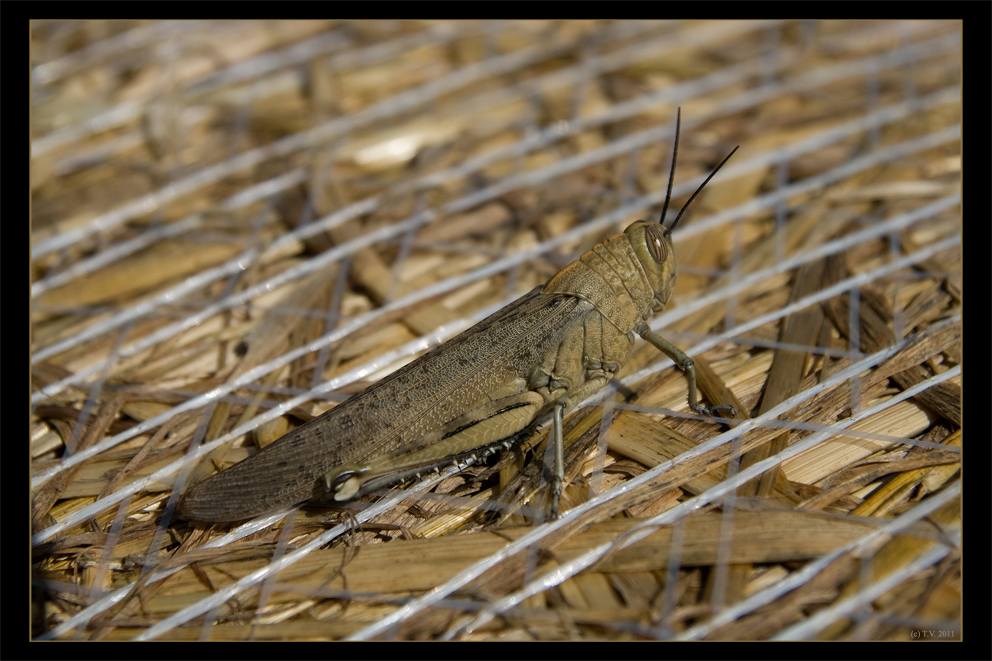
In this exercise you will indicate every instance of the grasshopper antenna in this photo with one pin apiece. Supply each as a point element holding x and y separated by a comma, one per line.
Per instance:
<point>706,181</point>
<point>671,177</point>
<point>671,172</point>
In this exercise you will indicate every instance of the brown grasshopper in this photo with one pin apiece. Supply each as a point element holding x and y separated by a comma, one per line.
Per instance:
<point>478,392</point>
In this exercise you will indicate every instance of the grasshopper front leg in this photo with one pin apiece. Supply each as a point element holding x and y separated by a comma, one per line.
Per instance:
<point>685,364</point>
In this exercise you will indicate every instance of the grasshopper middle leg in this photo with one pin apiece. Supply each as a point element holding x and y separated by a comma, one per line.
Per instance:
<point>595,384</point>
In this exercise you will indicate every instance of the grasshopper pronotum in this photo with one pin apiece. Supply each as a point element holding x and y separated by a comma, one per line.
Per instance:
<point>479,391</point>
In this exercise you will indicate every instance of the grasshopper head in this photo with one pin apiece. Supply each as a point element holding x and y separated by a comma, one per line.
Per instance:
<point>652,242</point>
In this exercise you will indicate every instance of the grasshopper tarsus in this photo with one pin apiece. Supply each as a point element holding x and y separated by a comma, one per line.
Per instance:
<point>712,411</point>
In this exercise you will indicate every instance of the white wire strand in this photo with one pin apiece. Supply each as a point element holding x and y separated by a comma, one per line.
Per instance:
<point>802,576</point>
<point>750,98</point>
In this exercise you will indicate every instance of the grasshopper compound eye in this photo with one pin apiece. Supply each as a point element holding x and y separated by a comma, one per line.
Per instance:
<point>654,237</point>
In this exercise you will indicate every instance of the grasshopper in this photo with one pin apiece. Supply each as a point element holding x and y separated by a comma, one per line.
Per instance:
<point>480,391</point>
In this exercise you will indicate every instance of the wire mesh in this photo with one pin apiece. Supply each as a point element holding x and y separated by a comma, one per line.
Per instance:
<point>235,224</point>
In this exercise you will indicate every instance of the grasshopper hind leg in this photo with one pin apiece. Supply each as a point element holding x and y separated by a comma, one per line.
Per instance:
<point>473,433</point>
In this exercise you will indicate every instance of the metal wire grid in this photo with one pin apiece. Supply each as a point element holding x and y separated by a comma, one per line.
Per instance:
<point>740,87</point>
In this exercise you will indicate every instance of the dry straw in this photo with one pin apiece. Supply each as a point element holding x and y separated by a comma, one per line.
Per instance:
<point>236,225</point>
